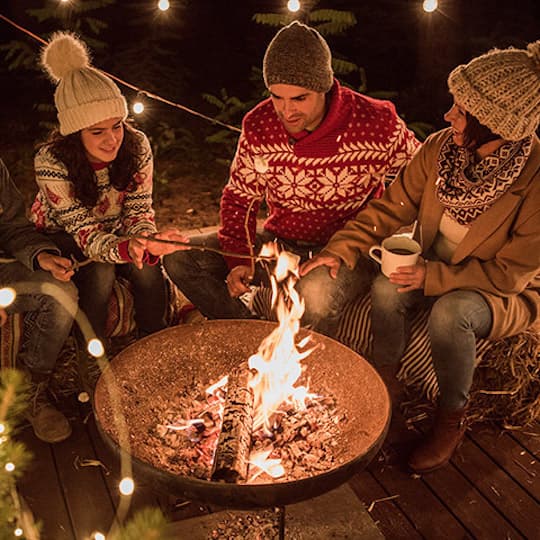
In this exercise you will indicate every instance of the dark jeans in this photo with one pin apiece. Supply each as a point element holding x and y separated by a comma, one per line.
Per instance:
<point>95,283</point>
<point>49,306</point>
<point>201,275</point>
<point>455,321</point>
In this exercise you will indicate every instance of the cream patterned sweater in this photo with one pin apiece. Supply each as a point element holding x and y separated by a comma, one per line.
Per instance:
<point>117,214</point>
<point>313,183</point>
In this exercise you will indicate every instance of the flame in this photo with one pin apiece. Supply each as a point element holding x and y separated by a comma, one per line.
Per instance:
<point>277,363</point>
<point>271,467</point>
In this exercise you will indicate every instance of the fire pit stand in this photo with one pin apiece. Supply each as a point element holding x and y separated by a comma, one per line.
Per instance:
<point>155,367</point>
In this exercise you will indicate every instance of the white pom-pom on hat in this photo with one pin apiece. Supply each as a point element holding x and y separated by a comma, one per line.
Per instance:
<point>64,53</point>
<point>84,95</point>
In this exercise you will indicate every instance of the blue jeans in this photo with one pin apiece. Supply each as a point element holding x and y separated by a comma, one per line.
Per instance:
<point>49,306</point>
<point>201,275</point>
<point>95,284</point>
<point>455,322</point>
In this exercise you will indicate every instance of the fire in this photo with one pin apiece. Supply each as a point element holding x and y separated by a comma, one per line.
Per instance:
<point>274,372</point>
<point>278,361</point>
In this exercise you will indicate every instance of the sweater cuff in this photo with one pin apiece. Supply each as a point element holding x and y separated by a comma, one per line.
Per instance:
<point>233,262</point>
<point>149,259</point>
<point>123,251</point>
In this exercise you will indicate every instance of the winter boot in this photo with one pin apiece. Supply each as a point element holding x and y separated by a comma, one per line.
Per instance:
<point>445,437</point>
<point>49,424</point>
<point>396,391</point>
<point>388,374</point>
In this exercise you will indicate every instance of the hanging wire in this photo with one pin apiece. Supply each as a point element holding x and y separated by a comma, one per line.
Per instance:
<point>132,86</point>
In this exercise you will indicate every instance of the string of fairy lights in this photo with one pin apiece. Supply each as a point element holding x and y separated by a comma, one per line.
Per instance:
<point>126,485</point>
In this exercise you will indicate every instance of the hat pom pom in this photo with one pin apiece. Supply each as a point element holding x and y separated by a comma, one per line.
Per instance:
<point>534,50</point>
<point>63,54</point>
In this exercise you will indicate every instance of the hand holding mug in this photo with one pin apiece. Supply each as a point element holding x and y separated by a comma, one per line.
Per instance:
<point>395,251</point>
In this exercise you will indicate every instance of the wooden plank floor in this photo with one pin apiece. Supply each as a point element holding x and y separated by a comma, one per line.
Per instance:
<point>490,490</point>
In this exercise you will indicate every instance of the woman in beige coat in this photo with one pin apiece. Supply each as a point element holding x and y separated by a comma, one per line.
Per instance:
<point>474,190</point>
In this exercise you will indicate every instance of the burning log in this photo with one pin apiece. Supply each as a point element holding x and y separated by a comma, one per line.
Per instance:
<point>234,444</point>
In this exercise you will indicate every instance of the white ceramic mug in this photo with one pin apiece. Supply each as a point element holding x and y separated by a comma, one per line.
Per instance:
<point>394,251</point>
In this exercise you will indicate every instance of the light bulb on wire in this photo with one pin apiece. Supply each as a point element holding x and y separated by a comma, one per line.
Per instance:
<point>138,107</point>
<point>430,6</point>
<point>126,486</point>
<point>164,5</point>
<point>7,295</point>
<point>95,347</point>
<point>293,5</point>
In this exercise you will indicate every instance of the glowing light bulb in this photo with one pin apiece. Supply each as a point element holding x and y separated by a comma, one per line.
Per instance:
<point>126,486</point>
<point>10,467</point>
<point>430,5</point>
<point>164,5</point>
<point>293,5</point>
<point>7,295</point>
<point>95,347</point>
<point>18,531</point>
<point>138,107</point>
<point>99,536</point>
<point>2,428</point>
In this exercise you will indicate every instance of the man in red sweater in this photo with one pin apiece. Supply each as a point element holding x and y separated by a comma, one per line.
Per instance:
<point>316,152</point>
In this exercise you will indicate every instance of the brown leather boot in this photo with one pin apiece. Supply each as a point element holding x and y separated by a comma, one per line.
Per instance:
<point>49,424</point>
<point>445,436</point>
<point>388,374</point>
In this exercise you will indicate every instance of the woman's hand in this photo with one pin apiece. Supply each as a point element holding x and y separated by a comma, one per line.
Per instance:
<point>409,277</point>
<point>172,234</point>
<point>60,267</point>
<point>333,263</point>
<point>136,249</point>
<point>238,280</point>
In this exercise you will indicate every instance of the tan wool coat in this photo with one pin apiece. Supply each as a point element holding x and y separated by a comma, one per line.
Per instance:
<point>499,257</point>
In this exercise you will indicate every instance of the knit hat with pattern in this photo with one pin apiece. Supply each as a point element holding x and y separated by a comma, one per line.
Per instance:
<point>501,89</point>
<point>84,95</point>
<point>299,55</point>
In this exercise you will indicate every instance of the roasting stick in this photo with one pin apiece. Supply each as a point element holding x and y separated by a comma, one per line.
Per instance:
<point>201,247</point>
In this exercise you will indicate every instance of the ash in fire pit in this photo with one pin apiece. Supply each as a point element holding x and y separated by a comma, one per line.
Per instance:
<point>159,379</point>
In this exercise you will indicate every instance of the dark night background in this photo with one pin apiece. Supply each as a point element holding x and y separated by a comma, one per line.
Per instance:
<point>202,46</point>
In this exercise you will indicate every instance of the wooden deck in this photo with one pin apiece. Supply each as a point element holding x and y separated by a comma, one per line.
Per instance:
<point>490,490</point>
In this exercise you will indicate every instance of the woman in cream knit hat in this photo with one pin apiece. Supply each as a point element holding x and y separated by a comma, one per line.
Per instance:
<point>95,188</point>
<point>474,190</point>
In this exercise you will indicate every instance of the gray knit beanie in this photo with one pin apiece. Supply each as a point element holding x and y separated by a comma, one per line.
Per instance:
<point>299,55</point>
<point>501,89</point>
<point>84,95</point>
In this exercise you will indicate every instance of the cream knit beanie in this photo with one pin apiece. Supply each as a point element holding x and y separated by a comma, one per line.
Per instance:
<point>299,55</point>
<point>84,95</point>
<point>501,89</point>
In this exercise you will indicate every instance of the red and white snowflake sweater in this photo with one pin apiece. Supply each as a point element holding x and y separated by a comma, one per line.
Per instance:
<point>314,182</point>
<point>97,231</point>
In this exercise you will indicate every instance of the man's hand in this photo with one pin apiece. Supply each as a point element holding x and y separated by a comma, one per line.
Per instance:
<point>60,267</point>
<point>3,316</point>
<point>409,277</point>
<point>238,280</point>
<point>158,249</point>
<point>333,263</point>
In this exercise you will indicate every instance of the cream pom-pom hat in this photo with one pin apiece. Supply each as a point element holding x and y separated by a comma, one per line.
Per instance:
<point>84,95</point>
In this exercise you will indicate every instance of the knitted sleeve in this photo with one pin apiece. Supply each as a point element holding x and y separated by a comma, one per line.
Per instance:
<point>57,208</point>
<point>402,144</point>
<point>137,211</point>
<point>242,194</point>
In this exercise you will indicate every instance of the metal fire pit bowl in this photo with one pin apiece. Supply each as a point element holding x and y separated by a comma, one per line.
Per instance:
<point>161,363</point>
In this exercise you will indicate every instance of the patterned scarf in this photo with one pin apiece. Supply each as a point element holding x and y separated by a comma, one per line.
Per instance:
<point>467,189</point>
